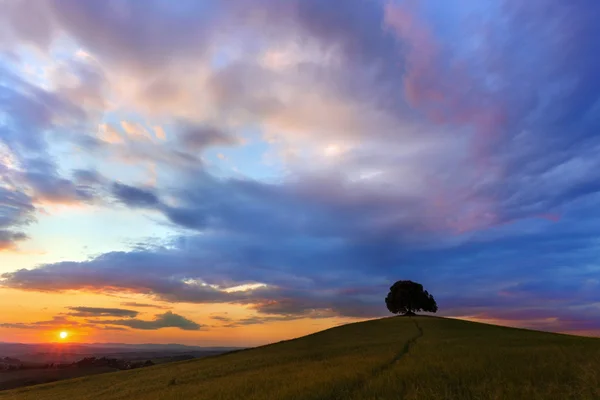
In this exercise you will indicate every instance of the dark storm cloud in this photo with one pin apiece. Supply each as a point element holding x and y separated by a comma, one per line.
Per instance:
<point>101,312</point>
<point>166,320</point>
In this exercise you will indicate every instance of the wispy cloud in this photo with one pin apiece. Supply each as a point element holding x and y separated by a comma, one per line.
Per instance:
<point>142,305</point>
<point>166,320</point>
<point>101,312</point>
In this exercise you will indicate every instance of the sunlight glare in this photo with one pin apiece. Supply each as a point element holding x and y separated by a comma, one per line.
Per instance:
<point>63,335</point>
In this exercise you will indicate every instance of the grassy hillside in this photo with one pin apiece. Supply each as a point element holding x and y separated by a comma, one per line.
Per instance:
<point>392,358</point>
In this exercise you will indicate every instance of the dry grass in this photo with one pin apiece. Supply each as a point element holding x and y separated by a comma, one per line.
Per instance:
<point>391,358</point>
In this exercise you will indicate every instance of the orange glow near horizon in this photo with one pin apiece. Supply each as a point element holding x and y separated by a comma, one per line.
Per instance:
<point>44,324</point>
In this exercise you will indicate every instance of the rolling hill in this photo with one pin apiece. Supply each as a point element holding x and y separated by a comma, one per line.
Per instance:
<point>391,358</point>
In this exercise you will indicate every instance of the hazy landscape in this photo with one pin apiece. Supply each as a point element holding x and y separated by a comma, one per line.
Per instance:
<point>412,358</point>
<point>31,364</point>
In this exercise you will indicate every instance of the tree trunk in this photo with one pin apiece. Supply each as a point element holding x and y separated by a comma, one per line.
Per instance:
<point>409,314</point>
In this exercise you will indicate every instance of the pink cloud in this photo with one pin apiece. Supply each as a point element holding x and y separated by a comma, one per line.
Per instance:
<point>450,93</point>
<point>421,55</point>
<point>109,134</point>
<point>135,130</point>
<point>551,217</point>
<point>442,91</point>
<point>160,133</point>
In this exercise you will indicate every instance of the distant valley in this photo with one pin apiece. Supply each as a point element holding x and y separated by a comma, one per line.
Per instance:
<point>30,364</point>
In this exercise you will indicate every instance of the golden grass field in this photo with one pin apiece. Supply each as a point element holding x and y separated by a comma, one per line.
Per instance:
<point>392,358</point>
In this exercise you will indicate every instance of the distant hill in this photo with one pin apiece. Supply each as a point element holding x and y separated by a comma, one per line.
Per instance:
<point>155,346</point>
<point>15,349</point>
<point>70,352</point>
<point>392,358</point>
<point>30,364</point>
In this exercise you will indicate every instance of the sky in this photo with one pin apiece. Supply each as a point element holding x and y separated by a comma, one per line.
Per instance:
<point>241,172</point>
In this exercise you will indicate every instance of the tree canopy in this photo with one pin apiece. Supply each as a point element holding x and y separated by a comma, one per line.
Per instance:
<point>406,297</point>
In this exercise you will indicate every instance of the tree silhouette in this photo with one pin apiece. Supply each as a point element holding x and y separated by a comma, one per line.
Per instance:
<point>406,297</point>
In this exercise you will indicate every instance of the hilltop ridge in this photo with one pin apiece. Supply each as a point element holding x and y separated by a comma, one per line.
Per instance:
<point>389,358</point>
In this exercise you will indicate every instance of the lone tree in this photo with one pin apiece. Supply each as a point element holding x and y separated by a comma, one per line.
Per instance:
<point>406,297</point>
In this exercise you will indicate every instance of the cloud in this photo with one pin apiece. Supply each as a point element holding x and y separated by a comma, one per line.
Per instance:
<point>160,133</point>
<point>150,37</point>
<point>266,319</point>
<point>221,318</point>
<point>82,81</point>
<point>31,26</point>
<point>101,312</point>
<point>134,197</point>
<point>191,280</point>
<point>53,189</point>
<point>166,320</point>
<point>142,305</point>
<point>109,134</point>
<point>142,37</point>
<point>16,211</point>
<point>49,324</point>
<point>135,131</point>
<point>31,113</point>
<point>200,137</point>
<point>304,280</point>
<point>112,328</point>
<point>57,322</point>
<point>88,177</point>
<point>30,176</point>
<point>8,239</point>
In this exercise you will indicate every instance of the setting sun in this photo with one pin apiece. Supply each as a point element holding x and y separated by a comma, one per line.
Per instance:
<point>63,334</point>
